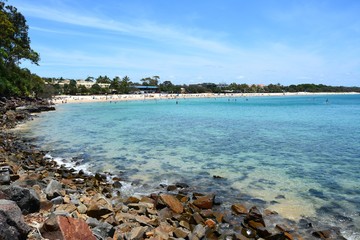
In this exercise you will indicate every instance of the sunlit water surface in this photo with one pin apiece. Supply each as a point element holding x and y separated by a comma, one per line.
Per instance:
<point>297,155</point>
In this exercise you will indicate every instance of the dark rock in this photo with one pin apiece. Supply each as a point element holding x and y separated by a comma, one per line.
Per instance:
<point>280,197</point>
<point>26,199</point>
<point>181,185</point>
<point>171,188</point>
<point>117,184</point>
<point>330,234</point>
<point>103,230</point>
<point>12,225</point>
<point>303,223</point>
<point>217,177</point>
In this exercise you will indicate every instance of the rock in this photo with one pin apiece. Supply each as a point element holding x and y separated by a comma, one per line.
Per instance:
<point>172,202</point>
<point>204,202</point>
<point>255,216</point>
<point>199,231</point>
<point>103,230</point>
<point>58,200</point>
<point>117,184</point>
<point>67,228</point>
<point>185,224</point>
<point>171,188</point>
<point>181,232</point>
<point>12,225</point>
<point>26,199</point>
<point>136,233</point>
<point>164,231</point>
<point>197,218</point>
<point>53,189</point>
<point>210,223</point>
<point>239,209</point>
<point>82,208</point>
<point>132,199</point>
<point>99,206</point>
<point>4,176</point>
<point>181,185</point>
<point>330,234</point>
<point>219,216</point>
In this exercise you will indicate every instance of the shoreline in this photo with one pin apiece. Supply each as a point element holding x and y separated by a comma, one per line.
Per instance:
<point>202,214</point>
<point>162,96</point>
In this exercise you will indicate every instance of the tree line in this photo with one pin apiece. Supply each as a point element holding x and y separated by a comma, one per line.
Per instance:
<point>117,85</point>
<point>16,81</point>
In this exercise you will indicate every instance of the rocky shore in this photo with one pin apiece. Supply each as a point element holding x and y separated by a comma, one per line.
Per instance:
<point>42,200</point>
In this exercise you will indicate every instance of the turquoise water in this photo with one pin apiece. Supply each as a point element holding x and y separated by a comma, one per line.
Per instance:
<point>297,155</point>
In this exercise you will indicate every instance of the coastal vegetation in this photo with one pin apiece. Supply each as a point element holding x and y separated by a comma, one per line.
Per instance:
<point>14,48</point>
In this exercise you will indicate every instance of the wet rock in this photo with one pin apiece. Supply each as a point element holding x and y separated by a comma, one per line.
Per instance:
<point>172,202</point>
<point>53,189</point>
<point>132,199</point>
<point>254,215</point>
<point>210,223</point>
<point>219,216</point>
<point>26,199</point>
<point>171,188</point>
<point>117,184</point>
<point>12,225</point>
<point>204,202</point>
<point>330,234</point>
<point>197,218</point>
<point>239,209</point>
<point>181,185</point>
<point>247,232</point>
<point>198,232</point>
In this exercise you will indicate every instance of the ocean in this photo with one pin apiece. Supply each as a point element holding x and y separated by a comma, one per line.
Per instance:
<point>297,155</point>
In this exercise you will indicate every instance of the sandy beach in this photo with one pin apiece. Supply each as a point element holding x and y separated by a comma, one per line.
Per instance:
<point>161,96</point>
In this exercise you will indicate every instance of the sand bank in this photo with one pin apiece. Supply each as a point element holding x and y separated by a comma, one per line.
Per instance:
<point>161,96</point>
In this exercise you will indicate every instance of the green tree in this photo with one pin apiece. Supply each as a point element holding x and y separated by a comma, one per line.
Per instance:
<point>125,85</point>
<point>14,40</point>
<point>14,47</point>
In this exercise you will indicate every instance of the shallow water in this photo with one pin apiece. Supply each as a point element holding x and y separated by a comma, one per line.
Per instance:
<point>297,155</point>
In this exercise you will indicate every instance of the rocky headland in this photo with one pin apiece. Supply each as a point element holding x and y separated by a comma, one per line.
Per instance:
<point>41,200</point>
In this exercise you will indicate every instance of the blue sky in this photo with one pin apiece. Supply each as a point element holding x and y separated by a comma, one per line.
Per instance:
<point>187,41</point>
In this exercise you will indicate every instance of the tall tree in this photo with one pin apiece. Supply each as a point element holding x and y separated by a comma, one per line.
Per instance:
<point>14,39</point>
<point>15,47</point>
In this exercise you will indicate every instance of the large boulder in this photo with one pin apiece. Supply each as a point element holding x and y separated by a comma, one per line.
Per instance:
<point>26,199</point>
<point>66,228</point>
<point>12,225</point>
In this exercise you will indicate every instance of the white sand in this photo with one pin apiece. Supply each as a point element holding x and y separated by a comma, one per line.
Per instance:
<point>158,96</point>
